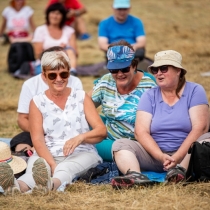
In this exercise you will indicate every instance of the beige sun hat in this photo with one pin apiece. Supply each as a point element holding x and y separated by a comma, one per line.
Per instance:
<point>17,163</point>
<point>168,57</point>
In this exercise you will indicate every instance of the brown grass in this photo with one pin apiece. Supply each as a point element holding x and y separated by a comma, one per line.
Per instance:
<point>170,24</point>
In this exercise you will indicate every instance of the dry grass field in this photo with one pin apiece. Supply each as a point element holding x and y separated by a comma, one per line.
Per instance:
<point>181,25</point>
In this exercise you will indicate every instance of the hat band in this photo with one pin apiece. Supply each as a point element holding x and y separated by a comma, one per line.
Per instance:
<point>7,160</point>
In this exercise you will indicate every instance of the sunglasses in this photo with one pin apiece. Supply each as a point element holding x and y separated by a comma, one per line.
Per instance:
<point>53,76</point>
<point>124,70</point>
<point>163,69</point>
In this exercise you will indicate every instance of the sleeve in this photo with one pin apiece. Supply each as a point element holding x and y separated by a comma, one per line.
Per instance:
<point>77,5</point>
<point>24,99</point>
<point>5,13</point>
<point>29,11</point>
<point>78,84</point>
<point>145,103</point>
<point>97,92</point>
<point>198,96</point>
<point>69,31</point>
<point>36,100</point>
<point>139,28</point>
<point>102,32</point>
<point>38,35</point>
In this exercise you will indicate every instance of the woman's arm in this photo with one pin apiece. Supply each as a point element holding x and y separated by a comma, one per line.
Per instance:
<point>3,26</point>
<point>142,135</point>
<point>199,116</point>
<point>31,22</point>
<point>93,136</point>
<point>73,43</point>
<point>38,49</point>
<point>76,12</point>
<point>37,135</point>
<point>95,103</point>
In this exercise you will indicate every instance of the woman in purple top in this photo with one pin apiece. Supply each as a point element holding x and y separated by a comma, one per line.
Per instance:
<point>170,118</point>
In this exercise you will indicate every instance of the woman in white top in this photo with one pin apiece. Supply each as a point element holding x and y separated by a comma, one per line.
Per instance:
<point>59,120</point>
<point>17,21</point>
<point>56,33</point>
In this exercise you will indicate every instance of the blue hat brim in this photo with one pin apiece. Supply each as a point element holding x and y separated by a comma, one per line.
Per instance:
<point>118,65</point>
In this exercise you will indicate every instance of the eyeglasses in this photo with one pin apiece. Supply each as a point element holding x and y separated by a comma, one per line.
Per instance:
<point>53,76</point>
<point>163,69</point>
<point>124,70</point>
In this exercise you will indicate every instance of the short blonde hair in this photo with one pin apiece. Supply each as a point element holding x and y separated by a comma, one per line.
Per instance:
<point>55,60</point>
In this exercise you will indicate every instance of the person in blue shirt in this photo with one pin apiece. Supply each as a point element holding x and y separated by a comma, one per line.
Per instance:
<point>122,26</point>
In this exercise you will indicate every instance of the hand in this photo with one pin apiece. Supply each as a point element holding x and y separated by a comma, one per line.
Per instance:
<point>70,13</point>
<point>71,144</point>
<point>168,161</point>
<point>177,159</point>
<point>63,45</point>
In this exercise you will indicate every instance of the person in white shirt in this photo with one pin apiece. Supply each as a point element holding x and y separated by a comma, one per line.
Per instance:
<point>59,121</point>
<point>17,21</point>
<point>56,33</point>
<point>30,88</point>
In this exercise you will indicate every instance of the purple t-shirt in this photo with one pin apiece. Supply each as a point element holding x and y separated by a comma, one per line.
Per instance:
<point>171,124</point>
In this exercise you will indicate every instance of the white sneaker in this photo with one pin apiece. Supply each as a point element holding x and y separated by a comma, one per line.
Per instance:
<point>7,180</point>
<point>42,177</point>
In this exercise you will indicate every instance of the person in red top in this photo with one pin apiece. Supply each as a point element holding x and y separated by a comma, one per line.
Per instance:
<point>75,10</point>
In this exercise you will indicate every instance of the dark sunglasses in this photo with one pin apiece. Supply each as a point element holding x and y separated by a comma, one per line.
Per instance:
<point>163,69</point>
<point>53,76</point>
<point>124,70</point>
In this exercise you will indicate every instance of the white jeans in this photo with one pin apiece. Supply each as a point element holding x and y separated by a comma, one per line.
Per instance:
<point>67,167</point>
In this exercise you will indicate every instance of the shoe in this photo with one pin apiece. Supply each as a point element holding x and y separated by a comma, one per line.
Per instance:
<point>73,72</point>
<point>130,179</point>
<point>42,177</point>
<point>177,174</point>
<point>84,36</point>
<point>7,180</point>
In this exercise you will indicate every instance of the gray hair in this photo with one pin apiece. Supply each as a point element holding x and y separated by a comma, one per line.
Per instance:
<point>54,60</point>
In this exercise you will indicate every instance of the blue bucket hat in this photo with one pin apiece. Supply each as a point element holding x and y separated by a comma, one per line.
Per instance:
<point>119,57</point>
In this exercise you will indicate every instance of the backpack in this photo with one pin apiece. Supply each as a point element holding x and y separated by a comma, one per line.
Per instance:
<point>19,52</point>
<point>199,166</point>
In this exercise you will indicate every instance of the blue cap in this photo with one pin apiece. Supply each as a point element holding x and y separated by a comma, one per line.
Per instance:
<point>119,57</point>
<point>121,4</point>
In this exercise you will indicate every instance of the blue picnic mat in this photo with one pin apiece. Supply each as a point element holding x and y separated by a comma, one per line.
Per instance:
<point>6,140</point>
<point>155,176</point>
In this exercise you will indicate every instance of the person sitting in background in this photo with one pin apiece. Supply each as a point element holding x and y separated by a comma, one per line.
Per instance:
<point>124,26</point>
<point>59,120</point>
<point>30,88</point>
<point>119,93</point>
<point>170,117</point>
<point>75,10</point>
<point>17,22</point>
<point>56,33</point>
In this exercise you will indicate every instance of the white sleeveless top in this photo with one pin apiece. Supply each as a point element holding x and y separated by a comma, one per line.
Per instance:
<point>61,125</point>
